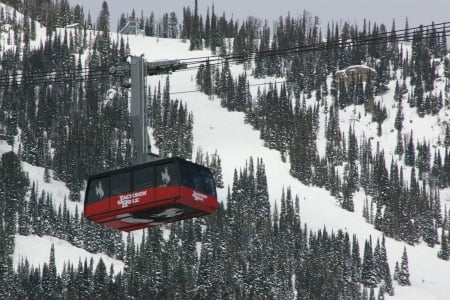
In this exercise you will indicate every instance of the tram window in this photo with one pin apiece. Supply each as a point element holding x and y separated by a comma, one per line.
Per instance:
<point>98,190</point>
<point>120,183</point>
<point>144,178</point>
<point>187,175</point>
<point>197,182</point>
<point>210,187</point>
<point>167,175</point>
<point>198,178</point>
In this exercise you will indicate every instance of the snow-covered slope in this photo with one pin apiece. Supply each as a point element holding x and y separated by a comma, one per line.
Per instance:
<point>37,249</point>
<point>217,129</point>
<point>7,40</point>
<point>235,141</point>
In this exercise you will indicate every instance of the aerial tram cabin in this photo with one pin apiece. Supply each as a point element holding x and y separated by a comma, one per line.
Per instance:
<point>149,194</point>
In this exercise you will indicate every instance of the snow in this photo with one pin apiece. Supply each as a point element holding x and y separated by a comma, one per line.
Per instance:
<point>217,129</point>
<point>57,189</point>
<point>235,141</point>
<point>37,251</point>
<point>7,41</point>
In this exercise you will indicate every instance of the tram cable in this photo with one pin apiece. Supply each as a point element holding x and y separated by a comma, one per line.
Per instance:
<point>83,74</point>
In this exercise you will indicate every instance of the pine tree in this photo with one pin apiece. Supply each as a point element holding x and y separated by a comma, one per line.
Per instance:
<point>50,277</point>
<point>399,149</point>
<point>378,222</point>
<point>99,290</point>
<point>403,274</point>
<point>396,271</point>
<point>399,117</point>
<point>103,18</point>
<point>262,206</point>
<point>24,226</point>
<point>368,274</point>
<point>218,171</point>
<point>13,187</point>
<point>410,153</point>
<point>347,194</point>
<point>444,252</point>
<point>207,79</point>
<point>195,34</point>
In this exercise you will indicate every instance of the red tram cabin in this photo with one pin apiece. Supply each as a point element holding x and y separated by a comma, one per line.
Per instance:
<point>149,194</point>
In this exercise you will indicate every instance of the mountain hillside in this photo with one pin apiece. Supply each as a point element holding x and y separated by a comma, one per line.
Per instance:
<point>217,128</point>
<point>333,187</point>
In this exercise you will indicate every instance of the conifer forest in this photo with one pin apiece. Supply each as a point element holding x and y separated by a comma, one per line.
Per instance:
<point>54,115</point>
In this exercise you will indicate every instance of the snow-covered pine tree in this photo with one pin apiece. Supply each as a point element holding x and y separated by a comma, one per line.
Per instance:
<point>403,274</point>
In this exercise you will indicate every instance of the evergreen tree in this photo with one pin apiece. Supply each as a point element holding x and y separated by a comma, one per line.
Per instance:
<point>385,270</point>
<point>195,30</point>
<point>399,117</point>
<point>13,187</point>
<point>99,290</point>
<point>50,280</point>
<point>403,274</point>
<point>399,149</point>
<point>368,274</point>
<point>410,153</point>
<point>103,18</point>
<point>444,250</point>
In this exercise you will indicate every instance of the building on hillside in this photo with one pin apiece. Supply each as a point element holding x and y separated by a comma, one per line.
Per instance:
<point>132,28</point>
<point>354,73</point>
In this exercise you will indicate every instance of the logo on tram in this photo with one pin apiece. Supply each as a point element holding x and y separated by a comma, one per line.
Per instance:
<point>199,196</point>
<point>130,198</point>
<point>165,177</point>
<point>99,190</point>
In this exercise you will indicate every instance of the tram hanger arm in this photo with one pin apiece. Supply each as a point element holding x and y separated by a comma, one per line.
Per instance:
<point>164,66</point>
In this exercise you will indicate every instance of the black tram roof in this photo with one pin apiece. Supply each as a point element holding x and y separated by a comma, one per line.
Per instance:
<point>147,164</point>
